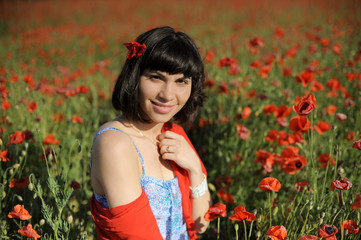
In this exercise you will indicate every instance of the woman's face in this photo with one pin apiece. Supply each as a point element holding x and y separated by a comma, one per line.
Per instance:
<point>162,95</point>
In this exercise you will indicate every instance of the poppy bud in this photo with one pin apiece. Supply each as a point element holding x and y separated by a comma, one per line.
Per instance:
<point>42,222</point>
<point>258,234</point>
<point>1,142</point>
<point>69,219</point>
<point>23,153</point>
<point>340,171</point>
<point>50,157</point>
<point>275,210</point>
<point>31,186</point>
<point>34,196</point>
<point>323,214</point>
<point>16,166</point>
<point>79,148</point>
<point>11,171</point>
<point>20,198</point>
<point>320,221</point>
<point>26,145</point>
<point>3,194</point>
<point>236,227</point>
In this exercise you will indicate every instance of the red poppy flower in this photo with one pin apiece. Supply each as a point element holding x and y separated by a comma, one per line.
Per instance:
<point>255,64</point>
<point>341,117</point>
<point>264,71</point>
<point>256,42</point>
<point>266,159</point>
<point>279,32</point>
<point>305,105</point>
<point>350,76</point>
<point>29,135</point>
<point>351,226</point>
<point>209,83</point>
<point>17,138</point>
<point>331,109</point>
<point>357,203</point>
<point>50,139</point>
<point>316,86</point>
<point>270,184</point>
<point>343,184</point>
<point>282,112</point>
<point>289,160</point>
<point>300,186</point>
<point>5,105</point>
<point>277,232</point>
<point>322,127</point>
<point>135,49</point>
<point>246,112</point>
<point>333,84</point>
<point>287,72</point>
<point>268,109</point>
<point>76,119</point>
<point>19,212</point>
<point>209,56</point>
<point>75,185</point>
<point>350,136</point>
<point>242,132</point>
<point>82,89</point>
<point>299,123</point>
<point>305,77</point>
<point>328,232</point>
<point>325,160</point>
<point>226,62</point>
<point>29,232</point>
<point>223,88</point>
<point>225,196</point>
<point>241,214</point>
<point>215,211</point>
<point>3,156</point>
<point>357,144</point>
<point>283,122</point>
<point>309,237</point>
<point>32,106</point>
<point>224,181</point>
<point>19,183</point>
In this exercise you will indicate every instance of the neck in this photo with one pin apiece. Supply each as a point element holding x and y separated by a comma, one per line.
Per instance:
<point>149,130</point>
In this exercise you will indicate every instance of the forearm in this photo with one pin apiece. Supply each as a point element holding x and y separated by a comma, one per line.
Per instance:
<point>201,204</point>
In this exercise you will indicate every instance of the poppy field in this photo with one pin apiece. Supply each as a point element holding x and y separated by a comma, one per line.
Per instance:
<point>279,133</point>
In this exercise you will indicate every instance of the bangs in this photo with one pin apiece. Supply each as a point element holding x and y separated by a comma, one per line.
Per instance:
<point>172,57</point>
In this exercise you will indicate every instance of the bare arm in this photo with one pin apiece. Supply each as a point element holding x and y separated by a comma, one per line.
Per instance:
<point>115,168</point>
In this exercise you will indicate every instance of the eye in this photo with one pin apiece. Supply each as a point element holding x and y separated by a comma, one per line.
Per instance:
<point>184,81</point>
<point>154,76</point>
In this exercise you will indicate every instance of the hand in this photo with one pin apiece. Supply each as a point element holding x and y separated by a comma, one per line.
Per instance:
<point>174,147</point>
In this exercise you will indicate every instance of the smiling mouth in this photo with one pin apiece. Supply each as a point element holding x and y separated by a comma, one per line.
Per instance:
<point>162,108</point>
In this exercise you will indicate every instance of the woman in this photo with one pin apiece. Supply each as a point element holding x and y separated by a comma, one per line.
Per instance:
<point>148,180</point>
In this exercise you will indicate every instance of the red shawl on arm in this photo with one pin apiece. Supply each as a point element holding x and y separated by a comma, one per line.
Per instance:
<point>135,220</point>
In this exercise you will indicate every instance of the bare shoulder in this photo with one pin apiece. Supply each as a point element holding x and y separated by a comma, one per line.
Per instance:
<point>115,171</point>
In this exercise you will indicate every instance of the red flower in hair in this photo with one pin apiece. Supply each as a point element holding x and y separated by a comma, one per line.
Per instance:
<point>135,49</point>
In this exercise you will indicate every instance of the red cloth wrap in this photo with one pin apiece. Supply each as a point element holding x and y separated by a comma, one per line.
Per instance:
<point>135,220</point>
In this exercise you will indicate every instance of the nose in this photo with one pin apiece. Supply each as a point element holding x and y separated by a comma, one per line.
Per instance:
<point>166,94</point>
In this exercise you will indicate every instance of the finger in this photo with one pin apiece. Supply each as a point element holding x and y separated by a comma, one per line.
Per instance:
<point>169,156</point>
<point>168,134</point>
<point>167,149</point>
<point>167,142</point>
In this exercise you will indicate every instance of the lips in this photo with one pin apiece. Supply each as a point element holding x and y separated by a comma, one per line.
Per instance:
<point>162,108</point>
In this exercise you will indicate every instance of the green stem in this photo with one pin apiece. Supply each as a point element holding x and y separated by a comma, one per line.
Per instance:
<point>270,208</point>
<point>218,227</point>
<point>250,230</point>
<point>245,229</point>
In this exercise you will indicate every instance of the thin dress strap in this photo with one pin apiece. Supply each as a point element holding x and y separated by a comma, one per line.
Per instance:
<point>116,129</point>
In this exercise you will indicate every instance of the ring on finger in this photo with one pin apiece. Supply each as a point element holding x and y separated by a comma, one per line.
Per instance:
<point>168,150</point>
